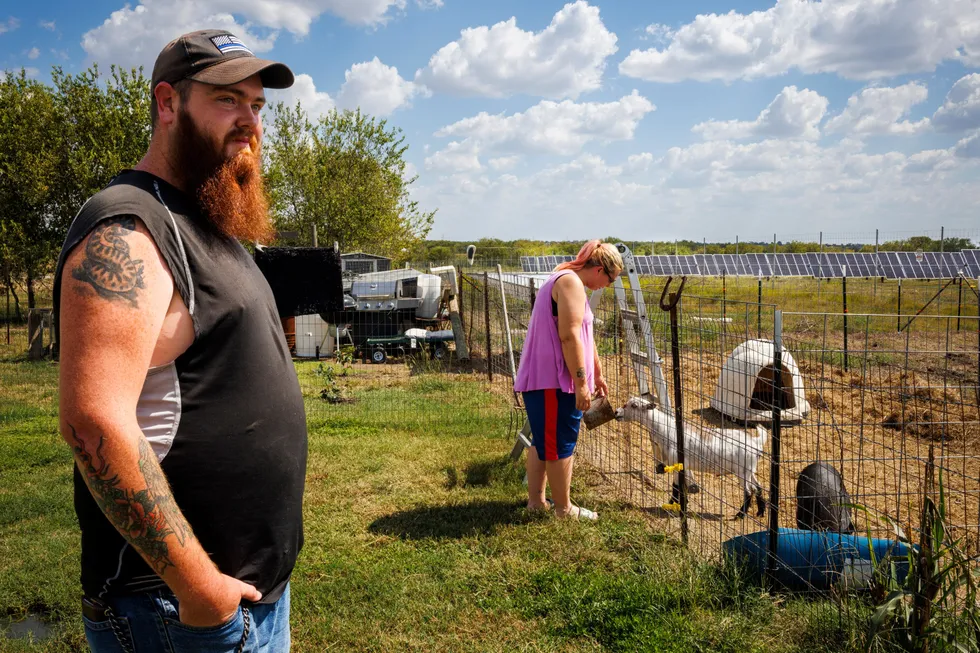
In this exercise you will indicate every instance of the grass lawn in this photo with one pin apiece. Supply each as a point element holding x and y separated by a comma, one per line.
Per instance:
<point>416,538</point>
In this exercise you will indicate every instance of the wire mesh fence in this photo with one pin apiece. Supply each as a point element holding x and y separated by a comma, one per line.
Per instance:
<point>805,407</point>
<point>814,459</point>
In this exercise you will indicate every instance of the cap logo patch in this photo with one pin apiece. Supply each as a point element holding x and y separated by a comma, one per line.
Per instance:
<point>227,43</point>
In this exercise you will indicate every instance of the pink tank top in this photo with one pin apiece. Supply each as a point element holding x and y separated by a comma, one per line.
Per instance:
<point>542,362</point>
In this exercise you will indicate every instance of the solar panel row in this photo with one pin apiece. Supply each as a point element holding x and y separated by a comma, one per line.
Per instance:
<point>822,265</point>
<point>971,261</point>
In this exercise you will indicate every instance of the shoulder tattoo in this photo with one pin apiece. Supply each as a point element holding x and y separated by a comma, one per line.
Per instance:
<point>107,266</point>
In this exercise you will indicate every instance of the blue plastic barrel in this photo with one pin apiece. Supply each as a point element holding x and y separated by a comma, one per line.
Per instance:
<point>817,560</point>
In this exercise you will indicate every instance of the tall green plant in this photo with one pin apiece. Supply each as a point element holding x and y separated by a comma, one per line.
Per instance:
<point>935,606</point>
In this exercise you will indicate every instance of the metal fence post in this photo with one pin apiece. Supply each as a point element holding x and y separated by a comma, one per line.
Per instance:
<point>461,300</point>
<point>508,340</point>
<point>843,286</point>
<point>898,326</point>
<point>675,354</point>
<point>486,315</point>
<point>724,300</point>
<point>759,310</point>
<point>777,405</point>
<point>959,303</point>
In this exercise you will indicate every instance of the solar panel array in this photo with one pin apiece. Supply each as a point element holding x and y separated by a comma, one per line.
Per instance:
<point>822,265</point>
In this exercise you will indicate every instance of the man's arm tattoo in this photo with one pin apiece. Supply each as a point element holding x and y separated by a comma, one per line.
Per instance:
<point>580,373</point>
<point>145,517</point>
<point>107,266</point>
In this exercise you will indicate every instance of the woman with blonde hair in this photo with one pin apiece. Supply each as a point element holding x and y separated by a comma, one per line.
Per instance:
<point>560,372</point>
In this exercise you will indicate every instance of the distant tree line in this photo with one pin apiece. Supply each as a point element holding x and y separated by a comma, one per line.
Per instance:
<point>60,143</point>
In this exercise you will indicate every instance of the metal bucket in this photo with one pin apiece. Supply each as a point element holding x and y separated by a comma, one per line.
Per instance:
<point>600,412</point>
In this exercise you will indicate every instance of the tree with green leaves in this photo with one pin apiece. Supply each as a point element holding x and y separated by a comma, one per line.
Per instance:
<point>29,233</point>
<point>104,128</point>
<point>345,174</point>
<point>59,146</point>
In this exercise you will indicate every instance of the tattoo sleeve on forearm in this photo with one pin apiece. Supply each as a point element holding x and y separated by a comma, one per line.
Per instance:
<point>107,266</point>
<point>580,373</point>
<point>145,517</point>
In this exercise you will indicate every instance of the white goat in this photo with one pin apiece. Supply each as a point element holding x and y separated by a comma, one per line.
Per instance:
<point>718,451</point>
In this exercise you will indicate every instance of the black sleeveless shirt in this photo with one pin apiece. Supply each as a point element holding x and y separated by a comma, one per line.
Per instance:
<point>234,443</point>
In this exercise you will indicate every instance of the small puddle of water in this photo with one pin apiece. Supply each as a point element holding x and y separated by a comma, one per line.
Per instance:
<point>23,628</point>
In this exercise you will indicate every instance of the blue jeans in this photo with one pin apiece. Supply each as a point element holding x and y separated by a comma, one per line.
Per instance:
<point>149,623</point>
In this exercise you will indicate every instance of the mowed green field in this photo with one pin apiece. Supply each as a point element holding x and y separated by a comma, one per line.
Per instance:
<point>416,538</point>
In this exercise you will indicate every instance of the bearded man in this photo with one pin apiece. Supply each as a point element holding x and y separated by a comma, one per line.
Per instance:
<point>177,393</point>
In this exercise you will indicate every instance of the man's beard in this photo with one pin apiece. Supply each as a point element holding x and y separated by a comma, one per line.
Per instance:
<point>229,192</point>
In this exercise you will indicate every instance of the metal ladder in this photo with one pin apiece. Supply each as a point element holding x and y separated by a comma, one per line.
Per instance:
<point>647,364</point>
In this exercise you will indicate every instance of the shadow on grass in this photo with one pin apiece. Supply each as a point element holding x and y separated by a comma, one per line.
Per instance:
<point>663,513</point>
<point>484,473</point>
<point>453,522</point>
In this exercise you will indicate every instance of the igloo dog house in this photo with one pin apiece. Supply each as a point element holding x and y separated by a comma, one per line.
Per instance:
<point>745,389</point>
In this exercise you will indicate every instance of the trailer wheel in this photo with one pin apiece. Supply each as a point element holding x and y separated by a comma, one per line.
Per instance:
<point>379,355</point>
<point>438,352</point>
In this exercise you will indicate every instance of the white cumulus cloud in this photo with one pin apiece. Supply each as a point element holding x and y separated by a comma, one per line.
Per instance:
<point>717,189</point>
<point>876,111</point>
<point>33,53</point>
<point>133,36</point>
<point>639,162</point>
<point>504,162</point>
<point>792,114</point>
<point>554,127</point>
<point>456,157</point>
<point>856,39</point>
<point>961,109</point>
<point>376,88</point>
<point>564,60</point>
<point>315,103</point>
<point>969,147</point>
<point>9,25</point>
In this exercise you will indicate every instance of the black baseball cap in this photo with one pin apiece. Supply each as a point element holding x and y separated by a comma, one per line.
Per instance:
<point>217,57</point>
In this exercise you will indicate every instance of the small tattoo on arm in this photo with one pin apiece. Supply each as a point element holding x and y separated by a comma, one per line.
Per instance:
<point>580,373</point>
<point>145,517</point>
<point>107,266</point>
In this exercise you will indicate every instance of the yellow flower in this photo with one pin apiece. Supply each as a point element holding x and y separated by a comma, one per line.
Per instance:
<point>670,469</point>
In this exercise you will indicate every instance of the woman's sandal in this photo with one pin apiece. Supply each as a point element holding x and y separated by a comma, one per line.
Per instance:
<point>582,514</point>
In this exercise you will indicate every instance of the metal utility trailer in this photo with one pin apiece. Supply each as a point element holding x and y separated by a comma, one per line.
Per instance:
<point>381,309</point>
<point>379,349</point>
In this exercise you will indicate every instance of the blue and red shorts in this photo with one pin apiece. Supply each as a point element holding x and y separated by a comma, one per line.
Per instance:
<point>554,422</point>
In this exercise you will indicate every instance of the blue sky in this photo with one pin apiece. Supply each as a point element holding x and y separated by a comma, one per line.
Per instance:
<point>649,120</point>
